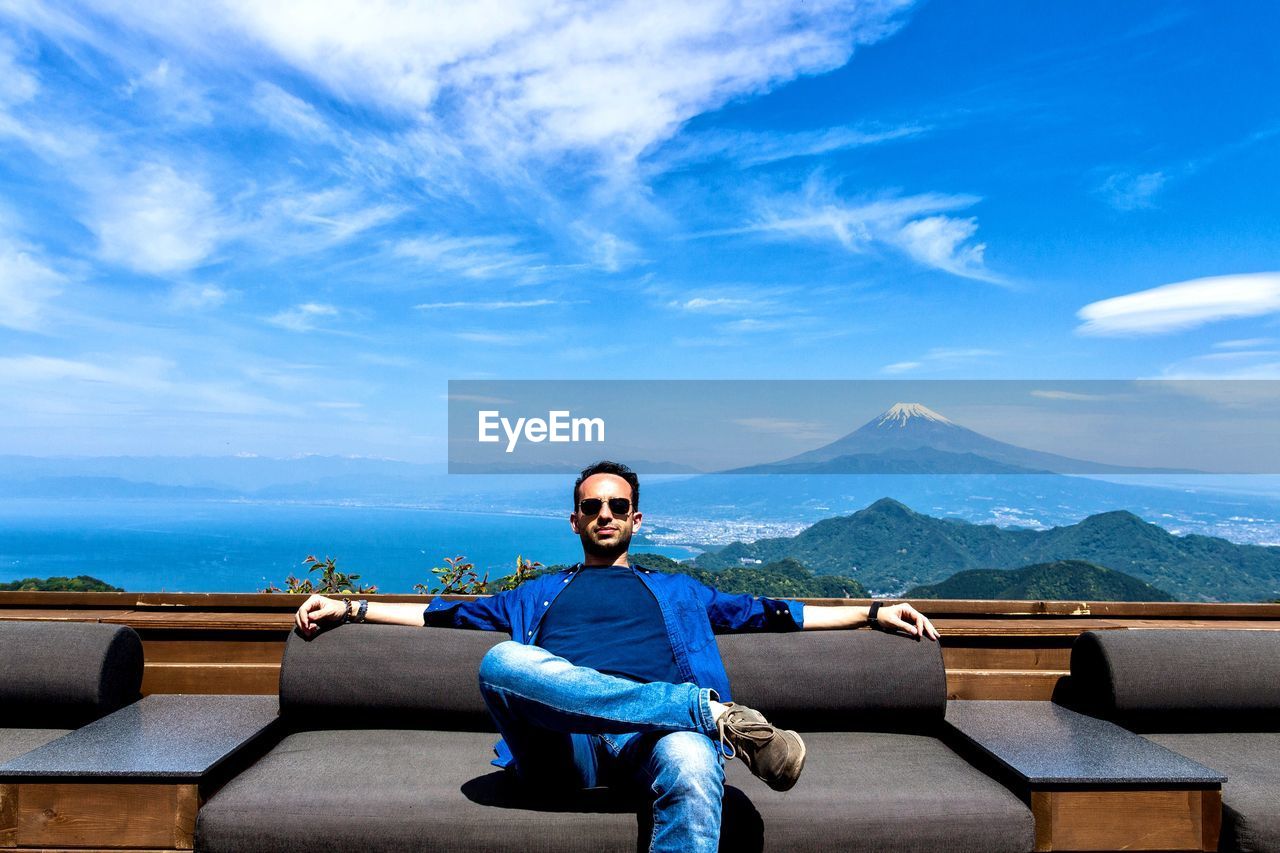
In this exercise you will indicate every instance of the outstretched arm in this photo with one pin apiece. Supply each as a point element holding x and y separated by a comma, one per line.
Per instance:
<point>902,617</point>
<point>319,609</point>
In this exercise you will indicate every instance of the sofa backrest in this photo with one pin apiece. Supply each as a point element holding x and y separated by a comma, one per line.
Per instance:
<point>66,674</point>
<point>1179,679</point>
<point>355,676</point>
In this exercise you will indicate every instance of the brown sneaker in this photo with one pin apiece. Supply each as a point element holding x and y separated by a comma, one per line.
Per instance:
<point>775,755</point>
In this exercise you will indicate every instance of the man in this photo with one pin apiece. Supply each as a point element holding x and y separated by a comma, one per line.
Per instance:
<point>613,676</point>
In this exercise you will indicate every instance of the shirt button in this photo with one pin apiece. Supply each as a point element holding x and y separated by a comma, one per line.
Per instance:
<point>545,603</point>
<point>530,633</point>
<point>566,580</point>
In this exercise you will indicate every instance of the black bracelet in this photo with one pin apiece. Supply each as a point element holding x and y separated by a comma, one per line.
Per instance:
<point>364,609</point>
<point>346,610</point>
<point>872,620</point>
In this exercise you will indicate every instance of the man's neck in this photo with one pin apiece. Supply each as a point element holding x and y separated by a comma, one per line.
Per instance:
<point>593,561</point>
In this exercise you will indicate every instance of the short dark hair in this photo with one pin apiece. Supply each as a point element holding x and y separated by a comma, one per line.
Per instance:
<point>604,466</point>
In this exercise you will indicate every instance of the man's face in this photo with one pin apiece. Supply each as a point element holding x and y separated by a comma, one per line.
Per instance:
<point>604,534</point>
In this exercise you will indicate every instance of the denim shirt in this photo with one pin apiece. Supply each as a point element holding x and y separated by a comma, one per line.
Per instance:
<point>693,612</point>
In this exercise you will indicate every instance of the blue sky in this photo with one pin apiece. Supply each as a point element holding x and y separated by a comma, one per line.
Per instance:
<point>232,227</point>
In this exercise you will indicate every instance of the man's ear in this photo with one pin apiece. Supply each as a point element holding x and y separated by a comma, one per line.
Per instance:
<point>573,522</point>
<point>636,517</point>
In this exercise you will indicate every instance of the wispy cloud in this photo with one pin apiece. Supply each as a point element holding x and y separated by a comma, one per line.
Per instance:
<point>172,93</point>
<point>1183,305</point>
<point>1126,191</point>
<point>941,358</point>
<point>915,225</point>
<point>1067,395</point>
<point>197,297</point>
<point>1245,343</point>
<point>499,339</point>
<point>806,430</point>
<point>714,305</point>
<point>754,148</point>
<point>27,285</point>
<point>496,305</point>
<point>288,113</point>
<point>470,257</point>
<point>304,317</point>
<point>17,83</point>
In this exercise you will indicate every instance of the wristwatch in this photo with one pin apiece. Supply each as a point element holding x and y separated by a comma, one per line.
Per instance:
<point>872,621</point>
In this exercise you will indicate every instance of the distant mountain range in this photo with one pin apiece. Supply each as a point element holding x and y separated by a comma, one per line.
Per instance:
<point>1061,580</point>
<point>910,438</point>
<point>889,548</point>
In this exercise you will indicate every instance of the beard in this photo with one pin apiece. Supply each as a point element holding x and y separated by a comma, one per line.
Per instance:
<point>608,550</point>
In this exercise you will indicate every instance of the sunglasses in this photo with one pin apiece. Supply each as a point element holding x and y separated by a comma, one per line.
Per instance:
<point>620,507</point>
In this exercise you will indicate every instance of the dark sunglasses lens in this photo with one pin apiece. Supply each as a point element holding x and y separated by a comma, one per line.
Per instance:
<point>617,506</point>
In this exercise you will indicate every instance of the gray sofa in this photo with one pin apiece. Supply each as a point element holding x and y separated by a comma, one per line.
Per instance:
<point>1213,696</point>
<point>387,747</point>
<point>58,676</point>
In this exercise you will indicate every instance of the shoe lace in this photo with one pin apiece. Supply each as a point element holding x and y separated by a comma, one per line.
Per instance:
<point>733,729</point>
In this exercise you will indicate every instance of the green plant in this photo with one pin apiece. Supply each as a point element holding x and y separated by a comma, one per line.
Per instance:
<point>525,569</point>
<point>331,580</point>
<point>458,578</point>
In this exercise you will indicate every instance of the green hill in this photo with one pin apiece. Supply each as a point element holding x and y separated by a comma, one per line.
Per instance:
<point>80,583</point>
<point>1061,580</point>
<point>889,547</point>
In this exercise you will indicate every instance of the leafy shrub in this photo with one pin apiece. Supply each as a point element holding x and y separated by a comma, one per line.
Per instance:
<point>331,580</point>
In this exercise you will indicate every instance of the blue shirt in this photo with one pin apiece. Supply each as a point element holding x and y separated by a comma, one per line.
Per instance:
<point>607,619</point>
<point>692,614</point>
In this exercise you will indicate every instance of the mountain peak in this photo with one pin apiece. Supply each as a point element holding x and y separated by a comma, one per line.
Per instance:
<point>899,414</point>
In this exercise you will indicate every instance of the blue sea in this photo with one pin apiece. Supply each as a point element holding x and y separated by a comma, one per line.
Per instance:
<point>167,546</point>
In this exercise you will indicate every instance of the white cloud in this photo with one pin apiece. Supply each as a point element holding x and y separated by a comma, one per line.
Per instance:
<point>1183,305</point>
<point>471,257</point>
<point>496,305</point>
<point>1245,343</point>
<point>155,220</point>
<point>288,113</point>
<point>196,297</point>
<point>27,284</point>
<point>1125,191</point>
<point>336,215</point>
<point>302,318</point>
<point>615,77</point>
<point>941,358</point>
<point>499,339</point>
<point>171,94</point>
<point>714,305</point>
<point>1068,395</point>
<point>751,148</point>
<point>913,225</point>
<point>17,84</point>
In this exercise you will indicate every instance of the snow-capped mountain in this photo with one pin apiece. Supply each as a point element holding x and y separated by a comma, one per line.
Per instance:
<point>911,438</point>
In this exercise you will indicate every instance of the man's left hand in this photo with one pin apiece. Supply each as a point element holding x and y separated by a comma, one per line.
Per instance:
<point>904,617</point>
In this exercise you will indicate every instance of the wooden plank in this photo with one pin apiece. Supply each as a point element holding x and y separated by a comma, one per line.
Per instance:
<point>211,678</point>
<point>200,620</point>
<point>1202,624</point>
<point>1003,657</point>
<point>1002,683</point>
<point>1047,627</point>
<point>189,647</point>
<point>8,815</point>
<point>1210,819</point>
<point>1119,820</point>
<point>54,614</point>
<point>187,803</point>
<point>78,814</point>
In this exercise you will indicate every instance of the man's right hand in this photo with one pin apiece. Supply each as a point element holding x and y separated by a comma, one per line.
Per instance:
<point>315,610</point>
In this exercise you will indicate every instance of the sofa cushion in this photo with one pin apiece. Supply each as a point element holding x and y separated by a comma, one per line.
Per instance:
<point>68,674</point>
<point>373,790</point>
<point>888,791</point>
<point>383,676</point>
<point>386,676</point>
<point>15,742</point>
<point>1187,680</point>
<point>884,680</point>
<point>1251,796</point>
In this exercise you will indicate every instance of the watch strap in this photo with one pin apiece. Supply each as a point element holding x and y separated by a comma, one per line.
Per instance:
<point>872,615</point>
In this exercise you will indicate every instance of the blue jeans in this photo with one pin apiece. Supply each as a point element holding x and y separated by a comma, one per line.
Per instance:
<point>572,727</point>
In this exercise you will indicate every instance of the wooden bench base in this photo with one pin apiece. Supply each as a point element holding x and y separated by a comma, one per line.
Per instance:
<point>1127,820</point>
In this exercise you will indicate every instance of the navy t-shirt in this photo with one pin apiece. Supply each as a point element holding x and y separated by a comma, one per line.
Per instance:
<point>607,619</point>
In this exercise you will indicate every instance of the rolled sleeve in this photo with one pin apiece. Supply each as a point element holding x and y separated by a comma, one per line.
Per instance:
<point>744,612</point>
<point>490,613</point>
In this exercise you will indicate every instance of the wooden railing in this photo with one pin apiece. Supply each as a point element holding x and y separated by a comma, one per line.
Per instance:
<point>233,643</point>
